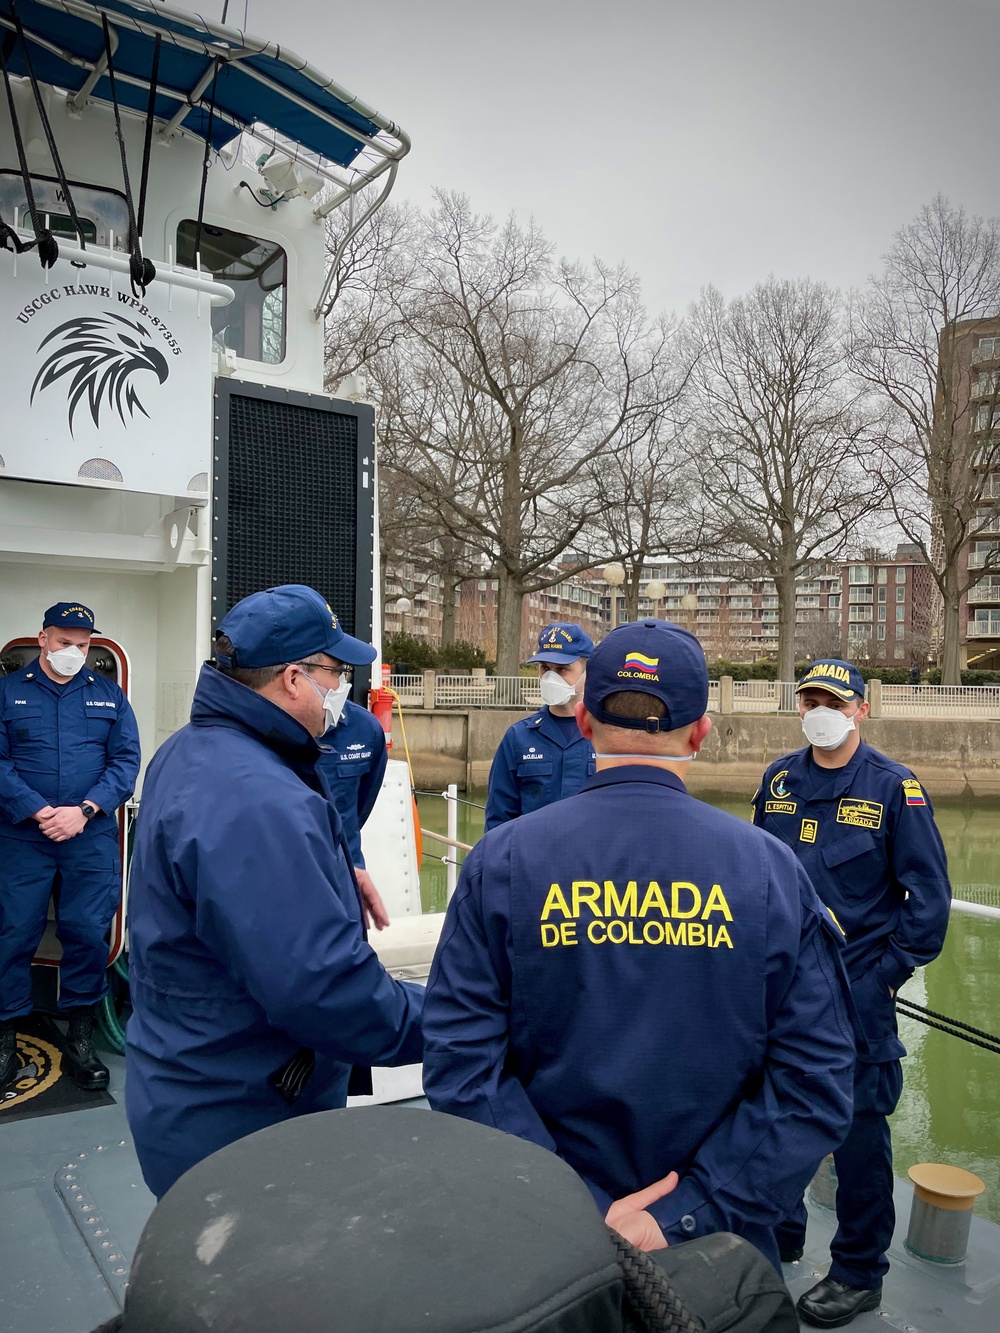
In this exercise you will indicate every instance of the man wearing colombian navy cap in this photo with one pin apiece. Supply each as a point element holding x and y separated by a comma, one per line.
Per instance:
<point>644,984</point>
<point>544,757</point>
<point>863,828</point>
<point>254,988</point>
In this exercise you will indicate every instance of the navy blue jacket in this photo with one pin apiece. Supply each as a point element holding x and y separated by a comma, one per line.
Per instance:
<point>352,764</point>
<point>63,744</point>
<point>867,838</point>
<point>538,762</point>
<point>647,984</point>
<point>246,937</point>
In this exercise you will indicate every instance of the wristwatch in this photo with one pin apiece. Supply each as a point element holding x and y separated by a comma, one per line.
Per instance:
<point>89,810</point>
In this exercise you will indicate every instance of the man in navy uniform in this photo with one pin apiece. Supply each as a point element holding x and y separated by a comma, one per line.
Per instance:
<point>645,984</point>
<point>69,756</point>
<point>863,828</point>
<point>352,765</point>
<point>254,988</point>
<point>544,757</point>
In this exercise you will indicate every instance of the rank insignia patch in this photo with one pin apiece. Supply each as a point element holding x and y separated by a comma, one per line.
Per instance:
<point>808,831</point>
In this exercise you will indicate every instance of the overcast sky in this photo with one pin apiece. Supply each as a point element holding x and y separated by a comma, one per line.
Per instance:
<point>699,141</point>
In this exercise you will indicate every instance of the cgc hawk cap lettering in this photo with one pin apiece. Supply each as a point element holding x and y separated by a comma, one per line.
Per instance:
<point>563,644</point>
<point>287,624</point>
<point>840,678</point>
<point>70,615</point>
<point>654,657</point>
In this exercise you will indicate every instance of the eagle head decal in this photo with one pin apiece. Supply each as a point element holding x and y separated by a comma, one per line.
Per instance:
<point>100,357</point>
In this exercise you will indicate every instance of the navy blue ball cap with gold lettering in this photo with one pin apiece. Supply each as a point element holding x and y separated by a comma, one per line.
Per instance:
<point>288,624</point>
<point>841,678</point>
<point>562,644</point>
<point>70,615</point>
<point>654,657</point>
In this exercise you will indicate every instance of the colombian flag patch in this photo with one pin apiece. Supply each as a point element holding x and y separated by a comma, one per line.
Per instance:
<point>647,666</point>
<point>913,792</point>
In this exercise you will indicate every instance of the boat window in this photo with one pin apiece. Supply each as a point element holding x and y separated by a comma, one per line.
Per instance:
<point>252,326</point>
<point>103,213</point>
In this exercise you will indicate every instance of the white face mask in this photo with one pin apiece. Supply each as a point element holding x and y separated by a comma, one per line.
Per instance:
<point>827,728</point>
<point>555,690</point>
<point>66,661</point>
<point>333,701</point>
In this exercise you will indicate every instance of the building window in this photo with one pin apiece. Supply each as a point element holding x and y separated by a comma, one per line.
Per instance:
<point>900,631</point>
<point>881,594</point>
<point>807,601</point>
<point>861,594</point>
<point>989,348</point>
<point>860,613</point>
<point>860,574</point>
<point>883,575</point>
<point>900,594</point>
<point>900,575</point>
<point>880,631</point>
<point>881,613</point>
<point>807,587</point>
<point>833,599</point>
<point>900,612</point>
<point>834,617</point>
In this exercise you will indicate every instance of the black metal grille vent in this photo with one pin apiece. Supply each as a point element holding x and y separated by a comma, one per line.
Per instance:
<point>291,502</point>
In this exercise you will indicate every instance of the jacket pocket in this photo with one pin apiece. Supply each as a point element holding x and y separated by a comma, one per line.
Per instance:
<point>846,849</point>
<point>24,725</point>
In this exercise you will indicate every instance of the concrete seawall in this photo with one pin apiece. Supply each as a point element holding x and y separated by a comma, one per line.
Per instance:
<point>951,756</point>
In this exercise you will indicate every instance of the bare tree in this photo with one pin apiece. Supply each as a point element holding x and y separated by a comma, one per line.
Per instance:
<point>915,335</point>
<point>510,373</point>
<point>646,487</point>
<point>776,427</point>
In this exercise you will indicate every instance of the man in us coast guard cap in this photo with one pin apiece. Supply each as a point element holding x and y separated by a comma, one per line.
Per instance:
<point>69,757</point>
<point>863,828</point>
<point>646,985</point>
<point>254,988</point>
<point>544,757</point>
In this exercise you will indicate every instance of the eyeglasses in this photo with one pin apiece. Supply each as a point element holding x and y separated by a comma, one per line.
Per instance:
<point>344,672</point>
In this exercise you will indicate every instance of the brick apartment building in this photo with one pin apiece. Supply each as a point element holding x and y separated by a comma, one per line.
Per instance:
<point>974,346</point>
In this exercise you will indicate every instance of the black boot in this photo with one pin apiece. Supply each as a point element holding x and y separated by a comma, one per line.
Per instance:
<point>10,1061</point>
<point>79,1057</point>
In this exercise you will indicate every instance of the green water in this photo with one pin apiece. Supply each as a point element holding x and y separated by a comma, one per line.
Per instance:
<point>950,1108</point>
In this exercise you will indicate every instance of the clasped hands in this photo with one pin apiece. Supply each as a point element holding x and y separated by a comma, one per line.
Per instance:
<point>61,822</point>
<point>630,1219</point>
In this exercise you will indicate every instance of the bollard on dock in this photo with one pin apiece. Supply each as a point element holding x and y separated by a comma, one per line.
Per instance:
<point>941,1212</point>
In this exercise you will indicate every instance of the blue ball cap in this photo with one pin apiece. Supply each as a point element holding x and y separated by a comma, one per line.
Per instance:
<point>70,615</point>
<point>654,657</point>
<point>841,678</point>
<point>562,644</point>
<point>287,624</point>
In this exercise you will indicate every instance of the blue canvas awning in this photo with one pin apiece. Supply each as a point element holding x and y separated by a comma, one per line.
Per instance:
<point>249,81</point>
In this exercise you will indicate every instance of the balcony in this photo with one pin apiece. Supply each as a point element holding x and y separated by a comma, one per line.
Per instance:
<point>991,487</point>
<point>986,353</point>
<point>980,559</point>
<point>982,594</point>
<point>983,629</point>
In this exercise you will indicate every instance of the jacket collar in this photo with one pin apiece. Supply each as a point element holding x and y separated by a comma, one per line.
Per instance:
<point>38,677</point>
<point>220,701</point>
<point>807,780</point>
<point>660,777</point>
<point>545,723</point>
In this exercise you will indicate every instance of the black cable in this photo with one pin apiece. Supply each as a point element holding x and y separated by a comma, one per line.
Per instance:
<point>952,1032</point>
<point>650,1303</point>
<point>148,140</point>
<point>141,271</point>
<point>204,164</point>
<point>48,249</point>
<point>955,1022</point>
